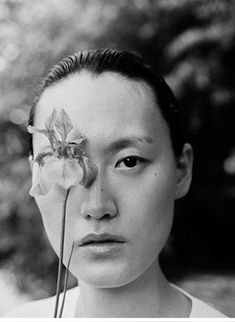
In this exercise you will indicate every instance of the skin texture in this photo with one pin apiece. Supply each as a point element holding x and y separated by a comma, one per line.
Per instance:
<point>134,202</point>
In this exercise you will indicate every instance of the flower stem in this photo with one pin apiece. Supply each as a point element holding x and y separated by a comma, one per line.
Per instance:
<point>60,266</point>
<point>66,282</point>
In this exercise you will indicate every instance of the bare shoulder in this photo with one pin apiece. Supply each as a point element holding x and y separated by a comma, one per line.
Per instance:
<point>43,308</point>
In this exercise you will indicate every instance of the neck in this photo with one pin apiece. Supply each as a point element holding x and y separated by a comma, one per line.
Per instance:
<point>148,296</point>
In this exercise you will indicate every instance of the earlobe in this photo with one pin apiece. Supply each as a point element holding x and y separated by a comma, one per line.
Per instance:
<point>184,171</point>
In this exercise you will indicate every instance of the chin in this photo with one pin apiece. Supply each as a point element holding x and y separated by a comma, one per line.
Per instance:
<point>99,282</point>
<point>106,277</point>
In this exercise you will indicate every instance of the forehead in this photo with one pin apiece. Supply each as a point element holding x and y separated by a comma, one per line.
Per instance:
<point>104,106</point>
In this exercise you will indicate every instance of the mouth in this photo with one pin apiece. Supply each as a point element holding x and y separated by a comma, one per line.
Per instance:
<point>100,240</point>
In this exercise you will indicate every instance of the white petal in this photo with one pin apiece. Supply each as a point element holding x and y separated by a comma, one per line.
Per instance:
<point>72,174</point>
<point>39,187</point>
<point>64,172</point>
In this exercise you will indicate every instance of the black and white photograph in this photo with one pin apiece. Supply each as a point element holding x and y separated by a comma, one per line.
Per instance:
<point>117,160</point>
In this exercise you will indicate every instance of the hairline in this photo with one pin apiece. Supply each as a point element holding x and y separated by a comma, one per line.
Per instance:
<point>134,83</point>
<point>125,64</point>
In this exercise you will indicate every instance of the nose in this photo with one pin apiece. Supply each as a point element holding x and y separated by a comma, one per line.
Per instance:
<point>98,203</point>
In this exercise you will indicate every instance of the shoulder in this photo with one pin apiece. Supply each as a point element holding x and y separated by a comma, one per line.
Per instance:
<point>199,308</point>
<point>43,308</point>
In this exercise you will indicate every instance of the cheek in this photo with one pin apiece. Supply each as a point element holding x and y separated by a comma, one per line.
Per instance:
<point>152,193</point>
<point>149,206</point>
<point>51,209</point>
<point>51,213</point>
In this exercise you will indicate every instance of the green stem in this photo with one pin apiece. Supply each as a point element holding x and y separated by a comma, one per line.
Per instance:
<point>60,266</point>
<point>66,282</point>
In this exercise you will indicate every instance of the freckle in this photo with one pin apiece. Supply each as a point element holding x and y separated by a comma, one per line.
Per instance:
<point>102,189</point>
<point>155,174</point>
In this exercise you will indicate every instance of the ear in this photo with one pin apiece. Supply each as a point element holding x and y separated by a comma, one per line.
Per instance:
<point>184,171</point>
<point>30,159</point>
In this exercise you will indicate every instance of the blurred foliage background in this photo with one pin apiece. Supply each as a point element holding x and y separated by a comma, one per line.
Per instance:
<point>192,43</point>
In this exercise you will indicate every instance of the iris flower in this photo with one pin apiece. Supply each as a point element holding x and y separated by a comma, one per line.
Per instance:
<point>65,164</point>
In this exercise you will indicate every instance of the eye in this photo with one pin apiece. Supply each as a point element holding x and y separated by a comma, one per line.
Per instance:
<point>130,162</point>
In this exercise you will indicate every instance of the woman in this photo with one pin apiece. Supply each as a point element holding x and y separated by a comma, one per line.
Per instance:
<point>120,220</point>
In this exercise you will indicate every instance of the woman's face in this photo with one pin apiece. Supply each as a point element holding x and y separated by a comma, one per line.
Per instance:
<point>133,194</point>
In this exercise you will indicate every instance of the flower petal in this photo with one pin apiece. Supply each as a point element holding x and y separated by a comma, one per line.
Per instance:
<point>50,134</point>
<point>67,164</point>
<point>40,158</point>
<point>61,171</point>
<point>72,175</point>
<point>33,129</point>
<point>39,187</point>
<point>74,151</point>
<point>90,171</point>
<point>50,121</point>
<point>79,140</point>
<point>63,125</point>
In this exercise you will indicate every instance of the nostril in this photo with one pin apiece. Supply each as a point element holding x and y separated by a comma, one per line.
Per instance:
<point>103,209</point>
<point>103,217</point>
<point>106,216</point>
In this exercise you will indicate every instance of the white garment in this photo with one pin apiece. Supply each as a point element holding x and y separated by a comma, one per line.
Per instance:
<point>44,308</point>
<point>199,308</point>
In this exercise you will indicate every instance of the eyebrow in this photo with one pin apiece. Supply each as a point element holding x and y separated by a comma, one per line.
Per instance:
<point>126,142</point>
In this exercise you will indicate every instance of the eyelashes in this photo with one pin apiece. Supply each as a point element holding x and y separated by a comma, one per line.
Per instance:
<point>130,162</point>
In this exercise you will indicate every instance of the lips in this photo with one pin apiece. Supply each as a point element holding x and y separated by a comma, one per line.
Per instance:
<point>100,239</point>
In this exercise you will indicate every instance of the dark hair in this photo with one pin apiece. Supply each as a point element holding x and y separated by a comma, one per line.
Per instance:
<point>126,64</point>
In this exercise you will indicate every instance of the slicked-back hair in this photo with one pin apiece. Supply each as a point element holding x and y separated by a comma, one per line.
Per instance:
<point>126,64</point>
